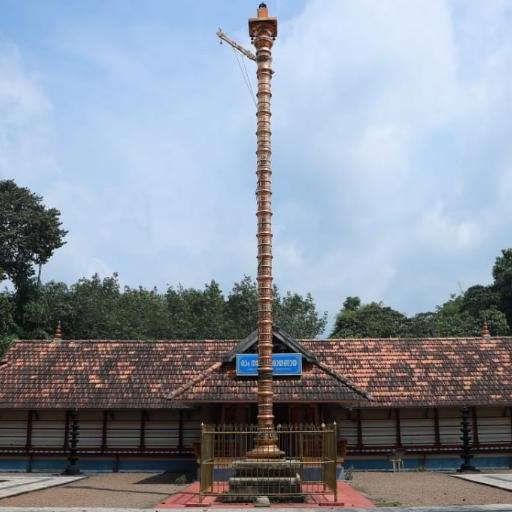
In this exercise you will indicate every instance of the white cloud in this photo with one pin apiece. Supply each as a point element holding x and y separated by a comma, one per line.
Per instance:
<point>25,137</point>
<point>437,230</point>
<point>21,100</point>
<point>391,141</point>
<point>404,125</point>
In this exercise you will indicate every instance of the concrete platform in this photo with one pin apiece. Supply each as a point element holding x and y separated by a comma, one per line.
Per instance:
<point>348,497</point>
<point>13,485</point>
<point>499,480</point>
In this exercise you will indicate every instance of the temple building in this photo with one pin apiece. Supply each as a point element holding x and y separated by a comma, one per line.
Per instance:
<point>140,404</point>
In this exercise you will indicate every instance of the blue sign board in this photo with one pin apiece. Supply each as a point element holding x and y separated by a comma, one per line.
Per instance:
<point>282,364</point>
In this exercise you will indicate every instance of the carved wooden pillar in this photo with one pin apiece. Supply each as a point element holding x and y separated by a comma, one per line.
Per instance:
<point>474,417</point>
<point>28,439</point>
<point>66,431</point>
<point>437,430</point>
<point>398,429</point>
<point>510,412</point>
<point>359,430</point>
<point>104,431</point>
<point>180,431</point>
<point>142,436</point>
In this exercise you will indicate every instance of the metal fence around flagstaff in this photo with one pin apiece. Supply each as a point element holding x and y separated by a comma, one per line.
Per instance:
<point>310,459</point>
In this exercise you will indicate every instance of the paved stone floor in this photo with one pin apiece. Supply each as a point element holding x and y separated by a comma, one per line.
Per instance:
<point>499,480</point>
<point>476,508</point>
<point>12,485</point>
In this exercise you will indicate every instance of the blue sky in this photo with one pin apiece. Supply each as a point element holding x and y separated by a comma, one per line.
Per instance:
<point>392,154</point>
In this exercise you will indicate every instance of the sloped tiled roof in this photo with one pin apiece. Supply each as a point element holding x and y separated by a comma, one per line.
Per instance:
<point>101,374</point>
<point>154,374</point>
<point>437,371</point>
<point>315,384</point>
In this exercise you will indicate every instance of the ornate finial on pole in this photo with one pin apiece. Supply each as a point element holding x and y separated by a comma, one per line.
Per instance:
<point>58,332</point>
<point>485,330</point>
<point>263,30</point>
<point>263,10</point>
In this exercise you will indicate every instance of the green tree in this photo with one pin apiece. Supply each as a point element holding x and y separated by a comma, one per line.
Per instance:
<point>7,325</point>
<point>94,309</point>
<point>6,313</point>
<point>502,273</point>
<point>48,304</point>
<point>352,303</point>
<point>462,315</point>
<point>242,308</point>
<point>447,321</point>
<point>29,233</point>
<point>373,320</point>
<point>295,313</point>
<point>479,298</point>
<point>197,314</point>
<point>142,314</point>
<point>298,315</point>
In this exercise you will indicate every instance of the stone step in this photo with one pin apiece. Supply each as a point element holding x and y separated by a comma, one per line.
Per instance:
<point>264,469</point>
<point>266,464</point>
<point>250,480</point>
<point>262,486</point>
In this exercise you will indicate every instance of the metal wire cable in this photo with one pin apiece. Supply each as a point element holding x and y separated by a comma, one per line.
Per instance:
<point>245,77</point>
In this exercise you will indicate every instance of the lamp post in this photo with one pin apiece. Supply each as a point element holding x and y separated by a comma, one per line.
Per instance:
<point>263,31</point>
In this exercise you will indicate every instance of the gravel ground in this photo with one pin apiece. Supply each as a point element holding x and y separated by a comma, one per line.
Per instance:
<point>424,488</point>
<point>144,490</point>
<point>137,490</point>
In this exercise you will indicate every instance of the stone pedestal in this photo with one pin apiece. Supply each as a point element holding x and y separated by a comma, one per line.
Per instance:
<point>255,478</point>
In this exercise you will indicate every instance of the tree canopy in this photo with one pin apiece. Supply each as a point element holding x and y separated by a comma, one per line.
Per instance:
<point>99,308</point>
<point>502,273</point>
<point>29,233</point>
<point>462,315</point>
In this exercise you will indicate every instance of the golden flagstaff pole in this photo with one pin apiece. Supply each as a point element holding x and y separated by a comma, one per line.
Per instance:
<point>263,31</point>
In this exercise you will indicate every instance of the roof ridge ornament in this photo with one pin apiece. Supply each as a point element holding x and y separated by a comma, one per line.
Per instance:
<point>485,330</point>
<point>58,332</point>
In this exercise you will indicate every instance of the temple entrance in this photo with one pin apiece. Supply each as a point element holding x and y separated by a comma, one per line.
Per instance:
<point>281,414</point>
<point>303,414</point>
<point>238,414</point>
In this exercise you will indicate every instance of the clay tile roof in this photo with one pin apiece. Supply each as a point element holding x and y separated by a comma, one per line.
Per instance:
<point>437,371</point>
<point>218,384</point>
<point>156,374</point>
<point>101,374</point>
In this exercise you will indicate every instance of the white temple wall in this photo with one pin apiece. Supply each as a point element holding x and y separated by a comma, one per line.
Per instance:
<point>48,428</point>
<point>494,424</point>
<point>417,426</point>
